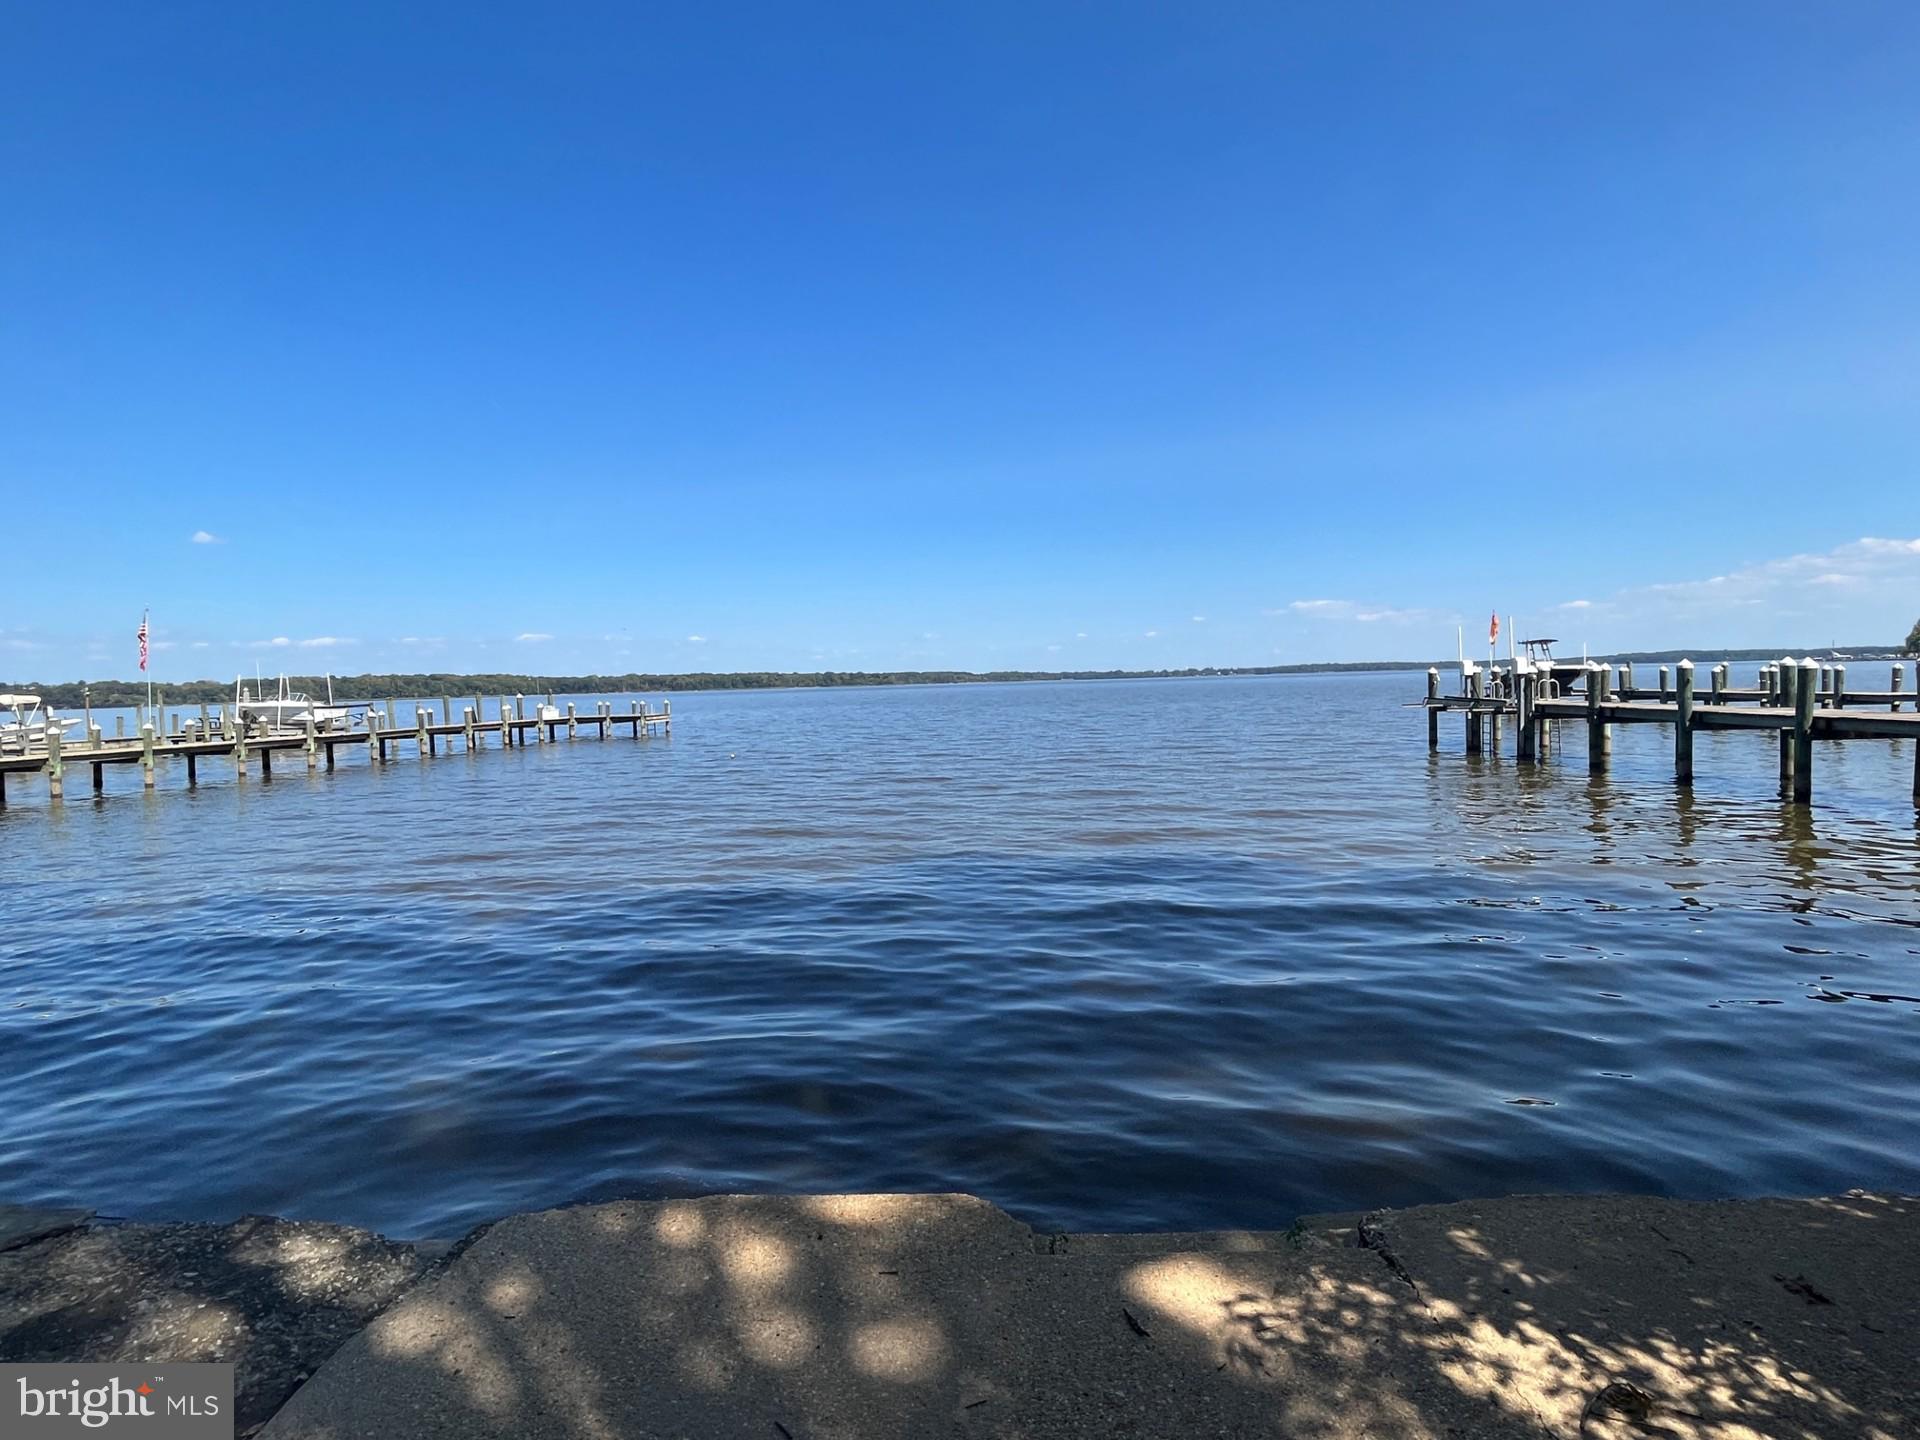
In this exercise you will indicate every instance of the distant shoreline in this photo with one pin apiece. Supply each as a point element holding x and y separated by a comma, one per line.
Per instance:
<point>110,693</point>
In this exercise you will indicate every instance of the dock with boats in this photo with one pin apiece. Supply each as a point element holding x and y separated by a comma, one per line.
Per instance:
<point>1797,701</point>
<point>251,732</point>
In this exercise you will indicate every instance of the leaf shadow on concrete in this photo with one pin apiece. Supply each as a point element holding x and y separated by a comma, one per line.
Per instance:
<point>275,1297</point>
<point>872,1317</point>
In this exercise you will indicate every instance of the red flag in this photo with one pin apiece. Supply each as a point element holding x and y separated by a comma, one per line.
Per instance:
<point>142,636</point>
<point>1493,628</point>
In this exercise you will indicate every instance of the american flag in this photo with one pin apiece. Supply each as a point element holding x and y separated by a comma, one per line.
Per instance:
<point>143,640</point>
<point>1493,627</point>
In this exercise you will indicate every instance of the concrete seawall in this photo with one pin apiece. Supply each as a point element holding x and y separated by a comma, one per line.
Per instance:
<point>869,1317</point>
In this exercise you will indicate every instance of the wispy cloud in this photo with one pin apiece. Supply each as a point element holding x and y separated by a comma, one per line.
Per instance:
<point>326,642</point>
<point>1365,614</point>
<point>532,637</point>
<point>1859,568</point>
<point>278,642</point>
<point>1199,619</point>
<point>1149,634</point>
<point>696,639</point>
<point>1574,605</point>
<point>206,537</point>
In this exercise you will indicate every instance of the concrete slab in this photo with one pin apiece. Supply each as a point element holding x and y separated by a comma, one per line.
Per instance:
<point>277,1297</point>
<point>878,1317</point>
<point>23,1224</point>
<point>1631,1315</point>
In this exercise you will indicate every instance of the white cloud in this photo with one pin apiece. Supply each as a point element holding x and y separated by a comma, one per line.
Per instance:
<point>1052,648</point>
<point>198,645</point>
<point>206,537</point>
<point>1858,567</point>
<point>1199,619</point>
<point>1079,634</point>
<point>532,637</point>
<point>1149,634</point>
<point>278,642</point>
<point>696,639</point>
<point>1357,611</point>
<point>1574,605</point>
<point>326,642</point>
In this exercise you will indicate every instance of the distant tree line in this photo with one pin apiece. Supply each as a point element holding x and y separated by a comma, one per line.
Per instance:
<point>110,693</point>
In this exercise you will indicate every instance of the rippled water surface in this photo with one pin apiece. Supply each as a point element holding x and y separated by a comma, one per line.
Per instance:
<point>1118,955</point>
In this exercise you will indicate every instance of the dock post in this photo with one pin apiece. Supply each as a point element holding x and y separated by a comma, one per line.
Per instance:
<point>312,747</point>
<point>1596,727</point>
<point>146,756</point>
<point>666,710</point>
<point>1524,740</point>
<point>446,710</point>
<point>240,752</point>
<point>1786,678</point>
<point>1666,685</point>
<point>206,721</point>
<point>467,718</point>
<point>119,727</point>
<point>55,770</point>
<point>376,749</point>
<point>1626,679</point>
<point>99,777</point>
<point>1683,723</point>
<point>1476,688</point>
<point>1717,679</point>
<point>1433,712</point>
<point>3,789</point>
<point>1899,679</point>
<point>1803,699</point>
<point>266,762</point>
<point>1839,687</point>
<point>573,722</point>
<point>193,770</point>
<point>422,735</point>
<point>507,737</point>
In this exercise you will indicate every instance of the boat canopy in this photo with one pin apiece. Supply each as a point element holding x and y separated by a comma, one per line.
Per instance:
<point>12,702</point>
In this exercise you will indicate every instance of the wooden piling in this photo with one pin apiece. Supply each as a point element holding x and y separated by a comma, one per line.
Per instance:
<point>1839,687</point>
<point>1476,691</point>
<point>266,763</point>
<point>422,733</point>
<point>146,756</point>
<point>1525,739</point>
<point>99,777</point>
<point>1626,679</point>
<point>56,771</point>
<point>240,751</point>
<point>1433,711</point>
<point>1666,685</point>
<point>1899,680</point>
<point>376,749</point>
<point>312,746</point>
<point>193,770</point>
<point>573,722</point>
<point>1803,701</point>
<point>1786,681</point>
<point>1596,727</point>
<point>1683,723</point>
<point>467,720</point>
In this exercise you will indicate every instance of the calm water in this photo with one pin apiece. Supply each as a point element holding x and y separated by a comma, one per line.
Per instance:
<point>1119,955</point>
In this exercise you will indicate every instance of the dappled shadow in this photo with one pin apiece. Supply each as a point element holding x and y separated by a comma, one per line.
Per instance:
<point>884,1316</point>
<point>275,1297</point>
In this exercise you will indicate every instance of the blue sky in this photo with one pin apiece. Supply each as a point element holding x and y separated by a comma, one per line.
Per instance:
<point>374,337</point>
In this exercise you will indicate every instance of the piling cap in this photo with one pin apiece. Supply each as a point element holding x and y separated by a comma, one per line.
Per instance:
<point>1809,664</point>
<point>1686,664</point>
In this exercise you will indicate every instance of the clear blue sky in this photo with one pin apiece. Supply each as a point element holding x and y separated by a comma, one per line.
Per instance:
<point>880,336</point>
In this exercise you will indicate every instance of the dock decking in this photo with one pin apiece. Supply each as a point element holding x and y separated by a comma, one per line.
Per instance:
<point>1800,700</point>
<point>223,737</point>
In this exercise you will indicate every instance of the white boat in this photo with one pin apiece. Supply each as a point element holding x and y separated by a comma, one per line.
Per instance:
<point>289,709</point>
<point>28,724</point>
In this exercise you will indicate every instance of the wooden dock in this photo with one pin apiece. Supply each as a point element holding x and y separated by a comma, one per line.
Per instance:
<point>222,736</point>
<point>1799,700</point>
